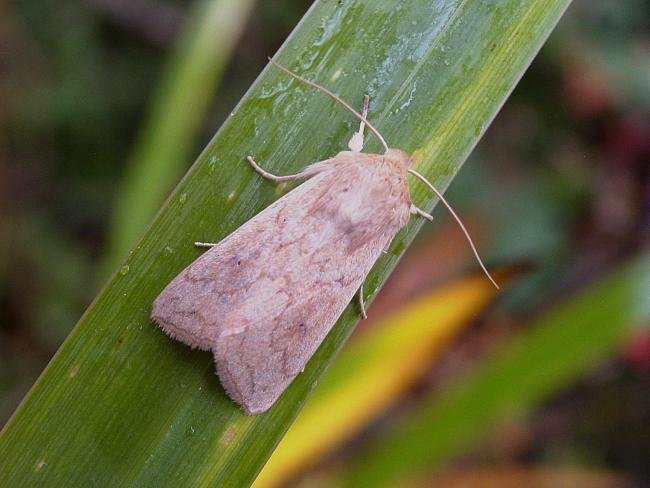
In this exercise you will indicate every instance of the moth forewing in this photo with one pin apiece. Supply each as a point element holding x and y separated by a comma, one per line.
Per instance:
<point>265,297</point>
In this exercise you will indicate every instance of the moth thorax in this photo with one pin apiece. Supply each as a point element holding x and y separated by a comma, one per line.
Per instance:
<point>399,157</point>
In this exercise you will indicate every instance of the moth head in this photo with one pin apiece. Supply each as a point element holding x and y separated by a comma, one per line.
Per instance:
<point>400,157</point>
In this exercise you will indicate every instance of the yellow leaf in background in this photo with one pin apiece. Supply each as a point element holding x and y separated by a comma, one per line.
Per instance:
<point>374,370</point>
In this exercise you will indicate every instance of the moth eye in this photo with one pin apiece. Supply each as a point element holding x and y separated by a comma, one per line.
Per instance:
<point>239,262</point>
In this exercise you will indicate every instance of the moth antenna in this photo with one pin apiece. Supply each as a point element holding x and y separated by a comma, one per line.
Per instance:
<point>335,97</point>
<point>460,223</point>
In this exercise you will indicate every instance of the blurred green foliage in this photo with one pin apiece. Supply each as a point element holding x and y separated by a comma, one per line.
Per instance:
<point>177,110</point>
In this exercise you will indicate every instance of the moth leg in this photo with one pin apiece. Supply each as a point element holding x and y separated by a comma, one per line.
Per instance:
<point>205,244</point>
<point>362,305</point>
<point>356,141</point>
<point>271,176</point>
<point>418,211</point>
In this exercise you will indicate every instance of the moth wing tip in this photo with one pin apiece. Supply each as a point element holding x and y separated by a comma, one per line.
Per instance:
<point>253,409</point>
<point>175,330</point>
<point>250,402</point>
<point>256,406</point>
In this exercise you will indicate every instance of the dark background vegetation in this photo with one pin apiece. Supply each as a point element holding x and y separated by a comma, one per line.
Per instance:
<point>563,183</point>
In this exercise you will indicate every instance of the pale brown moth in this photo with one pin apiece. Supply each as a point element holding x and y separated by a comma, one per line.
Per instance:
<point>264,298</point>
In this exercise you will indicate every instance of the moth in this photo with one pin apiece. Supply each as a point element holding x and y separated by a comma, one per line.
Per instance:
<point>264,298</point>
